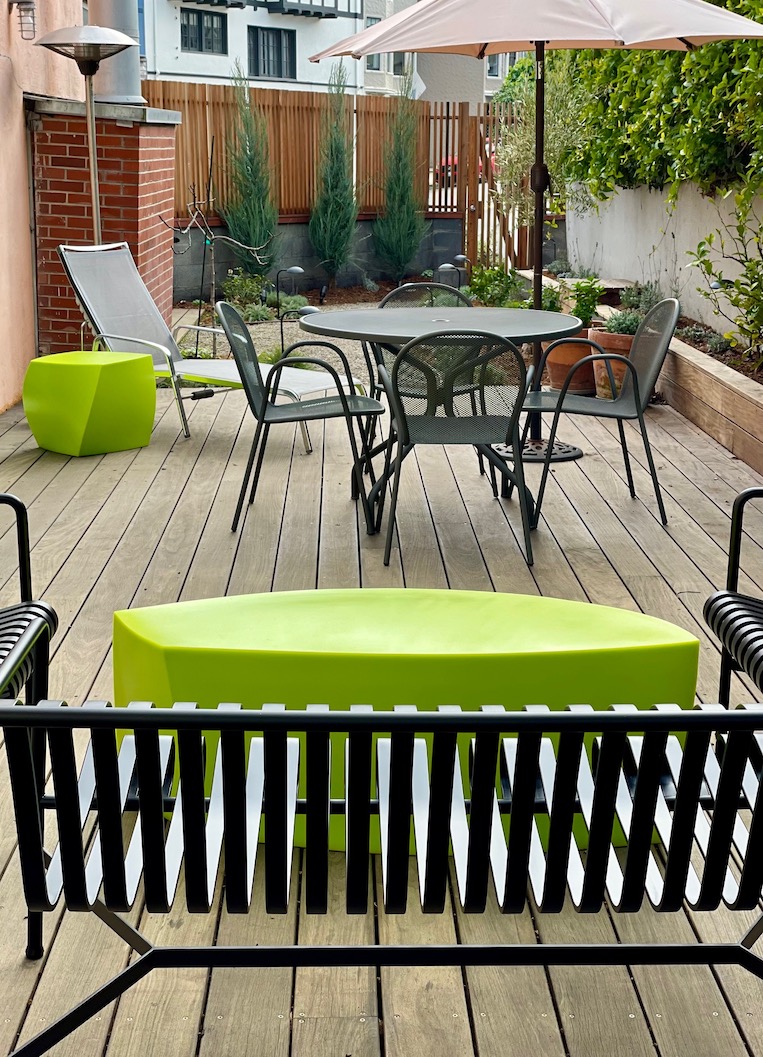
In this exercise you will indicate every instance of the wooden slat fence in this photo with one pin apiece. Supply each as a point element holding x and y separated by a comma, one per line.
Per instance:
<point>455,175</point>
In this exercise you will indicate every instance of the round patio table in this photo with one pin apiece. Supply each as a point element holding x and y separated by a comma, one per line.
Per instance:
<point>396,326</point>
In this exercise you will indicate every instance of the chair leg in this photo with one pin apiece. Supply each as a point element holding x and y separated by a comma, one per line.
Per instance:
<point>546,467</point>
<point>383,482</point>
<point>358,491</point>
<point>247,474</point>
<point>626,458</point>
<point>652,469</point>
<point>397,470</point>
<point>258,467</point>
<point>36,691</point>
<point>525,499</point>
<point>306,438</point>
<point>724,689</point>
<point>179,402</point>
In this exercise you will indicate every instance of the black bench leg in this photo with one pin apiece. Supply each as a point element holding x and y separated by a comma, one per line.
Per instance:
<point>727,667</point>
<point>36,691</point>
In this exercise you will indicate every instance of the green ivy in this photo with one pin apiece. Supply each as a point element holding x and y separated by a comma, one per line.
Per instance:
<point>655,118</point>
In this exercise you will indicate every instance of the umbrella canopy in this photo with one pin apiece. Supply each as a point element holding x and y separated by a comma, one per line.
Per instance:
<point>486,27</point>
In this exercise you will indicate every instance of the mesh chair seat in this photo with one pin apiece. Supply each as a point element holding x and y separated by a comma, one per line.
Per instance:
<point>547,400</point>
<point>322,407</point>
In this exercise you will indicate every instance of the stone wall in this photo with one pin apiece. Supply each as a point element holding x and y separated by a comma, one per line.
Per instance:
<point>443,240</point>
<point>636,235</point>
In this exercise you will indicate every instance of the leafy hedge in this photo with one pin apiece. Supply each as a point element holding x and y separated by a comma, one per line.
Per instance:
<point>656,118</point>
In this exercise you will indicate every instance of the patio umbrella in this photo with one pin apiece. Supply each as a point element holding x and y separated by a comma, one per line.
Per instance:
<point>487,27</point>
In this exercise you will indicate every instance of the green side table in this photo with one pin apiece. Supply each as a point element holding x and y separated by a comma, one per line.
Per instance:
<point>90,403</point>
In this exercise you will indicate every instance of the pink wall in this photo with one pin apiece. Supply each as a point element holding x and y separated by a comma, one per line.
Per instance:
<point>24,68</point>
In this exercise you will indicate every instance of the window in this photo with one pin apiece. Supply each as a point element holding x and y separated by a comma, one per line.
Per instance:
<point>203,31</point>
<point>373,62</point>
<point>493,67</point>
<point>398,63</point>
<point>273,53</point>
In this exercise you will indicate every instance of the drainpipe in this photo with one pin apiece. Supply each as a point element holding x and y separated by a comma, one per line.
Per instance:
<point>118,80</point>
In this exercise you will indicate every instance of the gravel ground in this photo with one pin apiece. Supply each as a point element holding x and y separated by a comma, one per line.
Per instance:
<point>267,339</point>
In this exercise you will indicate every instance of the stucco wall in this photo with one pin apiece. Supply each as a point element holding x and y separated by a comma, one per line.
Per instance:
<point>635,235</point>
<point>24,68</point>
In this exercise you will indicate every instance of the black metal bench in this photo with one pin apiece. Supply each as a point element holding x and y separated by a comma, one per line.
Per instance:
<point>737,619</point>
<point>462,786</point>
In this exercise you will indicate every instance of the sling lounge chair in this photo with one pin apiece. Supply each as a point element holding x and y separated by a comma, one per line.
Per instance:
<point>124,318</point>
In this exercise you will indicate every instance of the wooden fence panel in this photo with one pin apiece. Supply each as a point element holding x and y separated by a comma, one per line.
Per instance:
<point>454,172</point>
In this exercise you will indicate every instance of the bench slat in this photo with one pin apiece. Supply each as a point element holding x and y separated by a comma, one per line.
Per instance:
<point>317,818</point>
<point>358,816</point>
<point>192,807</point>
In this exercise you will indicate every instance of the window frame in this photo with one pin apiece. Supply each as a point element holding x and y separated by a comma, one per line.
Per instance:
<point>201,28</point>
<point>373,62</point>
<point>259,55</point>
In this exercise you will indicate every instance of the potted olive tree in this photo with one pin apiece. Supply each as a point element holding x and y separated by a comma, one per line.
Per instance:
<point>581,299</point>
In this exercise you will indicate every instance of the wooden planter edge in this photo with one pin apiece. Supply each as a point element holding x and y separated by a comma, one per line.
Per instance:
<point>724,403</point>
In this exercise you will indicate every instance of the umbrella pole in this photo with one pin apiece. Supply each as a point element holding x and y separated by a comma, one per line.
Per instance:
<point>535,449</point>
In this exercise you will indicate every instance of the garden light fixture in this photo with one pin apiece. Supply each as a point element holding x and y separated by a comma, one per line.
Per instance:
<point>294,270</point>
<point>26,12</point>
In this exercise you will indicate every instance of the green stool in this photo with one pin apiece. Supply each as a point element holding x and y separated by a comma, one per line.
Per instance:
<point>400,646</point>
<point>396,646</point>
<point>89,403</point>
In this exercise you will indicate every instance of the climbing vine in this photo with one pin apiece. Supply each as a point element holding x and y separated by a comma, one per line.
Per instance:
<point>657,118</point>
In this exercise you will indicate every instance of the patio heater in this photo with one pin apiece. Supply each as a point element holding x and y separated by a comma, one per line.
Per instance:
<point>88,46</point>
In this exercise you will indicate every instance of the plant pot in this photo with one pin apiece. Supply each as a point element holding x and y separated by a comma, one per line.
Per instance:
<point>619,343</point>
<point>560,361</point>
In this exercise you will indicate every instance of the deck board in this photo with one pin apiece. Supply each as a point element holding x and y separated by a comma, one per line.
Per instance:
<point>153,526</point>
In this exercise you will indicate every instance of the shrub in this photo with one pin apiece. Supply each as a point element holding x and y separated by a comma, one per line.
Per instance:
<point>496,286</point>
<point>399,231</point>
<point>288,302</point>
<point>332,220</point>
<point>561,266</point>
<point>242,289</point>
<point>251,213</point>
<point>626,322</point>
<point>257,313</point>
<point>641,297</point>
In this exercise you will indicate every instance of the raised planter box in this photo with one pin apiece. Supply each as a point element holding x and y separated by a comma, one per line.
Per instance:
<point>725,404</point>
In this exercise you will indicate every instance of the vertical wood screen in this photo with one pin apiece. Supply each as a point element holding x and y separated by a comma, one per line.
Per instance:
<point>455,174</point>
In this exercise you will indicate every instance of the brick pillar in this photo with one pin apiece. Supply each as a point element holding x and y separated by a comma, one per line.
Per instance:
<point>136,170</point>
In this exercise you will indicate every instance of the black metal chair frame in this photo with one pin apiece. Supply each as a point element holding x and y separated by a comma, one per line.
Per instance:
<point>25,633</point>
<point>262,404</point>
<point>736,618</point>
<point>622,407</point>
<point>512,473</point>
<point>440,778</point>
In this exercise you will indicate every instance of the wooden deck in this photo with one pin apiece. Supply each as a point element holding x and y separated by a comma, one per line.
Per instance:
<point>152,526</point>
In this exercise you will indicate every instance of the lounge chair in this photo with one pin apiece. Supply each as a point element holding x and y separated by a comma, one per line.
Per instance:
<point>124,318</point>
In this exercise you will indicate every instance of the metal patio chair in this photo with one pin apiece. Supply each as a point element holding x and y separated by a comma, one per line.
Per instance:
<point>124,318</point>
<point>464,387</point>
<point>736,618</point>
<point>642,368</point>
<point>261,394</point>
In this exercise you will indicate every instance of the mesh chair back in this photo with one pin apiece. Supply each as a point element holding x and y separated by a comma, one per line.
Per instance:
<point>237,333</point>
<point>424,295</point>
<point>115,300</point>
<point>457,388</point>
<point>649,349</point>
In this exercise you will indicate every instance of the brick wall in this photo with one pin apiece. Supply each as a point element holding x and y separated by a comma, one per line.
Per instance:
<point>136,164</point>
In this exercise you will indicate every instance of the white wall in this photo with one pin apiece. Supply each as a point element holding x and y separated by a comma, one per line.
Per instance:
<point>636,235</point>
<point>166,61</point>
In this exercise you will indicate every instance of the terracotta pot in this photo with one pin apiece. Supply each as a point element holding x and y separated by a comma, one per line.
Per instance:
<point>560,361</point>
<point>619,343</point>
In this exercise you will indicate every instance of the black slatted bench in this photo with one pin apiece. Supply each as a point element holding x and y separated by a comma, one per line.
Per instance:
<point>736,618</point>
<point>471,787</point>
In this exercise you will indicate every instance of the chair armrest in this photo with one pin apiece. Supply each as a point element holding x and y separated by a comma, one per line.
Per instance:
<point>22,541</point>
<point>332,348</point>
<point>181,327</point>
<point>735,541</point>
<point>607,357</point>
<point>271,388</point>
<point>564,341</point>
<point>137,341</point>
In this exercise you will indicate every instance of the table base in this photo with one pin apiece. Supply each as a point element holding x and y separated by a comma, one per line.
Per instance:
<point>535,451</point>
